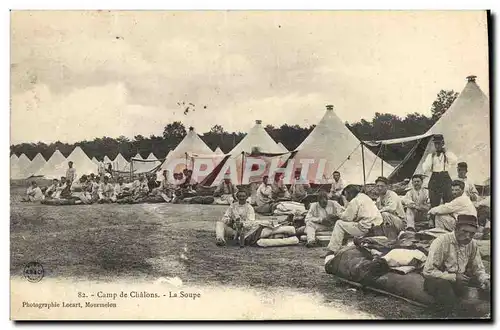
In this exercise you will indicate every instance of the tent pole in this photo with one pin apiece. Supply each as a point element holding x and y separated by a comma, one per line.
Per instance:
<point>363,160</point>
<point>381,160</point>
<point>242,165</point>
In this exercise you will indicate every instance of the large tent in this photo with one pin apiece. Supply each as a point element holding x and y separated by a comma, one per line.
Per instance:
<point>19,167</point>
<point>15,171</point>
<point>54,160</point>
<point>121,164</point>
<point>151,162</point>
<point>332,147</point>
<point>81,162</point>
<point>14,168</point>
<point>258,138</point>
<point>192,145</point>
<point>37,163</point>
<point>465,127</point>
<point>256,155</point>
<point>23,162</point>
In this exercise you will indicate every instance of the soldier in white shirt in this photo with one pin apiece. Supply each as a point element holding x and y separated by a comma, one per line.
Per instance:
<point>70,173</point>
<point>391,208</point>
<point>238,213</point>
<point>264,192</point>
<point>34,193</point>
<point>360,215</point>
<point>437,164</point>
<point>321,217</point>
<point>416,202</point>
<point>469,189</point>
<point>337,186</point>
<point>446,214</point>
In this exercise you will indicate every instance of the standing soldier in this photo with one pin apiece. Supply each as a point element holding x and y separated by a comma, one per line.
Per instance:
<point>437,164</point>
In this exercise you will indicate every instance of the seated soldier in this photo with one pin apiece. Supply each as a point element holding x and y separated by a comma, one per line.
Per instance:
<point>240,213</point>
<point>453,263</point>
<point>152,185</point>
<point>106,191</point>
<point>337,187</point>
<point>447,213</point>
<point>391,208</point>
<point>50,191</point>
<point>299,188</point>
<point>34,193</point>
<point>178,179</point>
<point>225,192</point>
<point>263,196</point>
<point>80,190</point>
<point>469,187</point>
<point>63,190</point>
<point>321,217</point>
<point>187,188</point>
<point>189,183</point>
<point>417,203</point>
<point>166,189</point>
<point>279,189</point>
<point>121,190</point>
<point>360,215</point>
<point>94,188</point>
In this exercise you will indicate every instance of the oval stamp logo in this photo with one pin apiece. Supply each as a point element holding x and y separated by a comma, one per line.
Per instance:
<point>33,271</point>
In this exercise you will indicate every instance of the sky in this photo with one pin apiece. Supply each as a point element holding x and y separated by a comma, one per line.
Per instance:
<point>84,74</point>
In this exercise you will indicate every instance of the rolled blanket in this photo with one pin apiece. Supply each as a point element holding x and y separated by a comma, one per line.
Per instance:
<point>273,242</point>
<point>289,208</point>
<point>60,202</point>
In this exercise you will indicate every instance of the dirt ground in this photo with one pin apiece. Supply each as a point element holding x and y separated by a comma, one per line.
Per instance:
<point>148,241</point>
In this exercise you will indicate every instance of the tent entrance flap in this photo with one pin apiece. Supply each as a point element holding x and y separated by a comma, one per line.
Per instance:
<point>409,165</point>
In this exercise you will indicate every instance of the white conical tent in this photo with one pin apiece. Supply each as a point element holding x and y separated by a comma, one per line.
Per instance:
<point>333,147</point>
<point>15,171</point>
<point>218,151</point>
<point>81,162</point>
<point>37,163</point>
<point>257,137</point>
<point>150,163</point>
<point>192,144</point>
<point>54,160</point>
<point>95,161</point>
<point>107,160</point>
<point>23,162</point>
<point>13,158</point>
<point>121,164</point>
<point>465,127</point>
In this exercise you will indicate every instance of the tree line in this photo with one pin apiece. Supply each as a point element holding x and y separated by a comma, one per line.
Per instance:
<point>382,126</point>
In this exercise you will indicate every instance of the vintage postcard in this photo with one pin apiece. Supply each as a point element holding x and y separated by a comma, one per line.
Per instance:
<point>249,165</point>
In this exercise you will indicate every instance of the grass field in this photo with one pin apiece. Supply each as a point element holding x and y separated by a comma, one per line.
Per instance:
<point>148,241</point>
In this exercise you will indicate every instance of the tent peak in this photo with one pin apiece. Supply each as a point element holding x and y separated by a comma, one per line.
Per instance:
<point>329,107</point>
<point>191,128</point>
<point>258,121</point>
<point>471,78</point>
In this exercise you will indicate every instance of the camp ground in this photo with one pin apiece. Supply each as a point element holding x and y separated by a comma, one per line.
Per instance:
<point>354,159</point>
<point>294,167</point>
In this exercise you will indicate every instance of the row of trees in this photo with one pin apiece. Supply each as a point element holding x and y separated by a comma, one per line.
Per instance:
<point>382,126</point>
